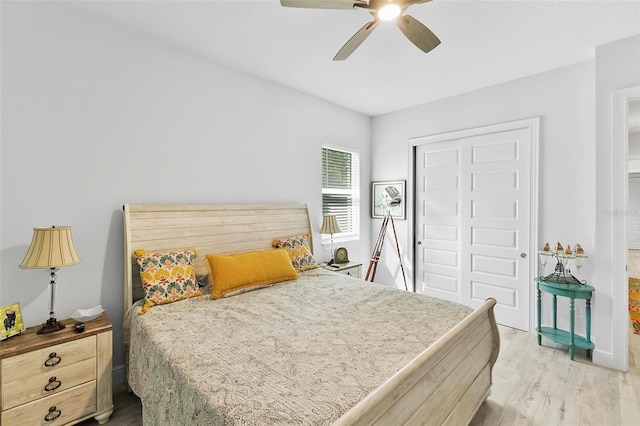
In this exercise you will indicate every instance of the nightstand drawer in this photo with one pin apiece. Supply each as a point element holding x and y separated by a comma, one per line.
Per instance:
<point>352,270</point>
<point>26,378</point>
<point>19,367</point>
<point>69,405</point>
<point>47,383</point>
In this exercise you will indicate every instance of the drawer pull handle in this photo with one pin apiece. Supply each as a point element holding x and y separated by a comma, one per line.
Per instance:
<point>54,359</point>
<point>53,384</point>
<point>53,414</point>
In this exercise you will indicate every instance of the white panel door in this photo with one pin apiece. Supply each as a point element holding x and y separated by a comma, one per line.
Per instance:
<point>438,220</point>
<point>472,217</point>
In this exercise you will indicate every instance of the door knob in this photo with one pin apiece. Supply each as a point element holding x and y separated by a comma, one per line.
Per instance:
<point>523,255</point>
<point>419,243</point>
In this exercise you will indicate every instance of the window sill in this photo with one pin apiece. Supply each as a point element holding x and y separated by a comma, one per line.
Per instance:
<point>344,239</point>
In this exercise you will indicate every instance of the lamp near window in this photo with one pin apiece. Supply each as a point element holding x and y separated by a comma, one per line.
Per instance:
<point>330,226</point>
<point>51,248</point>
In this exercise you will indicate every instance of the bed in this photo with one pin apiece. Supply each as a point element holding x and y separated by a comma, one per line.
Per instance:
<point>323,348</point>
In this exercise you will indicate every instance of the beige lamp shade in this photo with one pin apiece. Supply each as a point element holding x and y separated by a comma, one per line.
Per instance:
<point>329,225</point>
<point>51,248</point>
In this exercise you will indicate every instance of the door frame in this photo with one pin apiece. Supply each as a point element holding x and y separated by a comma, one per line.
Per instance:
<point>533,125</point>
<point>620,99</point>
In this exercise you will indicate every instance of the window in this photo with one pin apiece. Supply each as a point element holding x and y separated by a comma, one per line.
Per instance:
<point>341,191</point>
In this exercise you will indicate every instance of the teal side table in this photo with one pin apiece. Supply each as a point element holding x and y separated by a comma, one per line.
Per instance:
<point>567,338</point>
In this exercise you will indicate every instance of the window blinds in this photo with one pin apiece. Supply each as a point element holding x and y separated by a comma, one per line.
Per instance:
<point>340,187</point>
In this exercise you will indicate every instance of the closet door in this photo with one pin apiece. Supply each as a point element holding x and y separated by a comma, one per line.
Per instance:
<point>473,197</point>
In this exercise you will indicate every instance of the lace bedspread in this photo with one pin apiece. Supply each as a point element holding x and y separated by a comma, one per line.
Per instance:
<point>301,352</point>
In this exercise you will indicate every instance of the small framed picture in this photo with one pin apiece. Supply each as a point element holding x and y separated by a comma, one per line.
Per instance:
<point>388,198</point>
<point>11,321</point>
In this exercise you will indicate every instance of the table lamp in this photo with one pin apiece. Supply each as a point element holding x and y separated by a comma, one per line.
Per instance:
<point>51,248</point>
<point>330,226</point>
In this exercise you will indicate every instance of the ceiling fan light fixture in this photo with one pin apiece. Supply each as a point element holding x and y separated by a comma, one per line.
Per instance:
<point>382,10</point>
<point>389,11</point>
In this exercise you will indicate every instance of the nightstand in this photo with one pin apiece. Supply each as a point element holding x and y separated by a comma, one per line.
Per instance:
<point>58,378</point>
<point>351,268</point>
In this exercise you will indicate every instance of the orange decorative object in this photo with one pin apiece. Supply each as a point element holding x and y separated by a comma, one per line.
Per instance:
<point>567,250</point>
<point>546,247</point>
<point>559,248</point>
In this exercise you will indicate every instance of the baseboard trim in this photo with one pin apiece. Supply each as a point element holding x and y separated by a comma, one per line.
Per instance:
<point>603,358</point>
<point>118,374</point>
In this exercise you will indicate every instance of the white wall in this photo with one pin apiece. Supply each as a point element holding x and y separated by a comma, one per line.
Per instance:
<point>95,115</point>
<point>564,100</point>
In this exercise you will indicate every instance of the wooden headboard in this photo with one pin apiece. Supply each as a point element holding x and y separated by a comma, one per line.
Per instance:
<point>210,228</point>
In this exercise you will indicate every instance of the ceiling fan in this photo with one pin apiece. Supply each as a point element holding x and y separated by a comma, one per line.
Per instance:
<point>384,10</point>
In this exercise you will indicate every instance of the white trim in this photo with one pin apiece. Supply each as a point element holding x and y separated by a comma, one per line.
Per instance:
<point>343,148</point>
<point>601,357</point>
<point>533,124</point>
<point>410,213</point>
<point>345,237</point>
<point>619,359</point>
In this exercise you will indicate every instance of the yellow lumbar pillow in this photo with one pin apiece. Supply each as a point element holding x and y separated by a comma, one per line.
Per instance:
<point>242,271</point>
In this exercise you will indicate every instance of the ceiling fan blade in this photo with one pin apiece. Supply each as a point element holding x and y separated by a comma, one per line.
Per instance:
<point>323,4</point>
<point>407,3</point>
<point>355,41</point>
<point>419,35</point>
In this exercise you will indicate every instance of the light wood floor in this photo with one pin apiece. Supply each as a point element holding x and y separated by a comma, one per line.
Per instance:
<point>532,385</point>
<point>540,385</point>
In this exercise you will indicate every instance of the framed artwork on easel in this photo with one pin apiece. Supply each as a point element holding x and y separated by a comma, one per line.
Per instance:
<point>388,197</point>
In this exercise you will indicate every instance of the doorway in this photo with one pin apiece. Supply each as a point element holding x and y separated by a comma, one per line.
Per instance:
<point>475,200</point>
<point>612,264</point>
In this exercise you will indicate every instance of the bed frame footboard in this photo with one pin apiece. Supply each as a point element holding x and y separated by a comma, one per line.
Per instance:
<point>445,384</point>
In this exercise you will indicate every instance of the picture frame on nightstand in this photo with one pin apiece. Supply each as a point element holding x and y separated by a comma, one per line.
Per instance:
<point>12,323</point>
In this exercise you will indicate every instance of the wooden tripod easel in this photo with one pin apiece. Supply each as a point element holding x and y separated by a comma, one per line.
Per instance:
<point>377,250</point>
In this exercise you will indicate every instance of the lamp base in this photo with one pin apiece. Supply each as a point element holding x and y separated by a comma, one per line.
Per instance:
<point>50,326</point>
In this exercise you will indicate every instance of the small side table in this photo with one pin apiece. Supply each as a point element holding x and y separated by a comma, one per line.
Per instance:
<point>57,378</point>
<point>350,268</point>
<point>567,338</point>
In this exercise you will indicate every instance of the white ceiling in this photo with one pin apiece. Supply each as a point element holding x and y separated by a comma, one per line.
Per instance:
<point>484,42</point>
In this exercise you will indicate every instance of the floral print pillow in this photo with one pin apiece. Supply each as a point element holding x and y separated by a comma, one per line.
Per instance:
<point>299,249</point>
<point>167,277</point>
